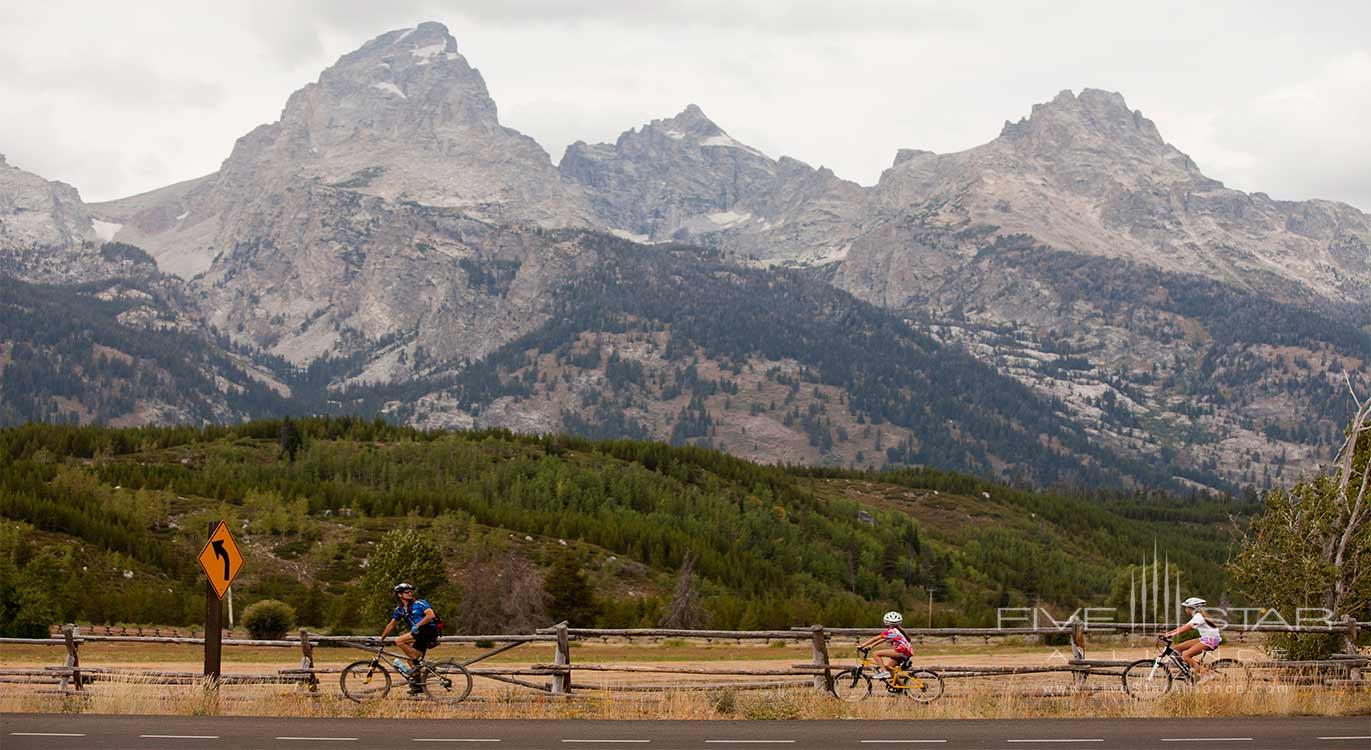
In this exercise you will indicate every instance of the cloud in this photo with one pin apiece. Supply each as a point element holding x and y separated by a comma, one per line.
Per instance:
<point>1264,95</point>
<point>1322,121</point>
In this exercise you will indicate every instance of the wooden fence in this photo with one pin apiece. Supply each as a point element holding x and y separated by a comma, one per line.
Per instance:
<point>1346,669</point>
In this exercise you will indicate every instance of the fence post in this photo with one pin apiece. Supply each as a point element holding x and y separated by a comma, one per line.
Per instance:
<point>1077,651</point>
<point>561,682</point>
<point>69,634</point>
<point>1354,672</point>
<point>822,681</point>
<point>307,660</point>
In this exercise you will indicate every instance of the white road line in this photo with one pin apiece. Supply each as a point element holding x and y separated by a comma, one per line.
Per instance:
<point>455,739</point>
<point>180,736</point>
<point>609,741</point>
<point>1092,739</point>
<point>898,742</point>
<point>320,739</point>
<point>1365,737</point>
<point>45,734</point>
<point>752,742</point>
<point>1206,739</point>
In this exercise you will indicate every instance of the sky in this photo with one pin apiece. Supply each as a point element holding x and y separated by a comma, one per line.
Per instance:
<point>118,98</point>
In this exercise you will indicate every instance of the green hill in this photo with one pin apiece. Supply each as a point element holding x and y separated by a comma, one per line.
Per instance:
<point>103,525</point>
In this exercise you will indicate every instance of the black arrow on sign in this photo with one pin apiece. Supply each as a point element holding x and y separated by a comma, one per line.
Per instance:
<point>219,551</point>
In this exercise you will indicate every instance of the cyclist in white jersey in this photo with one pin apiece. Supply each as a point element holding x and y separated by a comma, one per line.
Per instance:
<point>1208,631</point>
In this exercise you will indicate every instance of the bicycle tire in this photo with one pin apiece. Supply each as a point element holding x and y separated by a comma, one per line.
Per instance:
<point>1232,674</point>
<point>364,681</point>
<point>447,682</point>
<point>922,686</point>
<point>851,686</point>
<point>1146,679</point>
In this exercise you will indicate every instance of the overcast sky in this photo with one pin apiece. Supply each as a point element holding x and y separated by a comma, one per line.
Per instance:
<point>121,97</point>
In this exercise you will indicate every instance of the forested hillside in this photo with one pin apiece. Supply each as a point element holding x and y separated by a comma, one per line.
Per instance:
<point>117,351</point>
<point>675,343</point>
<point>102,525</point>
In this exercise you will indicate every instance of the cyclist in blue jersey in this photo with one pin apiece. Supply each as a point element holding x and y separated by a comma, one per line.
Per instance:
<point>417,617</point>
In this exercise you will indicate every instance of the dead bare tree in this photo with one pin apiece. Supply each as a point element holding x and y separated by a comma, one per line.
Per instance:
<point>1312,546</point>
<point>503,594</point>
<point>684,611</point>
<point>1345,554</point>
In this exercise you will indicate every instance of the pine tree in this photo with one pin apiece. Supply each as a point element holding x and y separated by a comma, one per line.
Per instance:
<point>290,439</point>
<point>569,593</point>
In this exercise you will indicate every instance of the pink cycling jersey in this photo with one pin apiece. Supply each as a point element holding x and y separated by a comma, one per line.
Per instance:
<point>899,641</point>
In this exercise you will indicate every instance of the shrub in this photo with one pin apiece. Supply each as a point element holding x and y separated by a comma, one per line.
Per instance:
<point>1307,646</point>
<point>771,706</point>
<point>724,701</point>
<point>269,619</point>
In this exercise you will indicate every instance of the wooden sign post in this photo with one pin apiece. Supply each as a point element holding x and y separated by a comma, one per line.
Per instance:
<point>221,561</point>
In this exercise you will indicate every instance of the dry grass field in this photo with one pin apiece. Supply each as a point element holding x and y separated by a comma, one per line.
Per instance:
<point>681,697</point>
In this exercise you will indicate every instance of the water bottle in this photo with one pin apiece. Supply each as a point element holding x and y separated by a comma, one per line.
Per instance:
<point>401,666</point>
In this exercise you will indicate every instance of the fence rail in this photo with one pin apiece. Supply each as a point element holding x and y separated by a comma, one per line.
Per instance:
<point>559,672</point>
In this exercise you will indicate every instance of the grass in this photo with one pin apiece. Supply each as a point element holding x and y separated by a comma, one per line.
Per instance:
<point>984,698</point>
<point>984,702</point>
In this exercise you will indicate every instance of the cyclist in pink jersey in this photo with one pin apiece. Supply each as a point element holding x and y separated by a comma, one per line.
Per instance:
<point>899,649</point>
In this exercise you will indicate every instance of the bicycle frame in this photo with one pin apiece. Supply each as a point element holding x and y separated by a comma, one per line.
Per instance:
<point>891,682</point>
<point>1179,661</point>
<point>380,654</point>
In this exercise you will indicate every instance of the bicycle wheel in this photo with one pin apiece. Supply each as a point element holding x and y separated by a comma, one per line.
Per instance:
<point>364,681</point>
<point>1146,679</point>
<point>1230,675</point>
<point>446,682</point>
<point>922,685</point>
<point>851,685</point>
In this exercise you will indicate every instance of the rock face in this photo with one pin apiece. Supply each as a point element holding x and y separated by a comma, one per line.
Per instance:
<point>1086,174</point>
<point>36,213</point>
<point>684,179</point>
<point>403,118</point>
<point>47,234</point>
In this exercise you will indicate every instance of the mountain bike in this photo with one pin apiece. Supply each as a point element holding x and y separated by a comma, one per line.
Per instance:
<point>444,681</point>
<point>1146,679</point>
<point>855,683</point>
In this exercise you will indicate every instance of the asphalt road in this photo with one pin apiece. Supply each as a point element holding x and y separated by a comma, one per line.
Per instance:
<point>24,731</point>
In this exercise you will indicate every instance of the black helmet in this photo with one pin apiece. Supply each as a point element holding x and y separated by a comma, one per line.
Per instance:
<point>402,587</point>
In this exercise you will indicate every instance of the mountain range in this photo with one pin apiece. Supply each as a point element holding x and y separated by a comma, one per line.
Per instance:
<point>1074,302</point>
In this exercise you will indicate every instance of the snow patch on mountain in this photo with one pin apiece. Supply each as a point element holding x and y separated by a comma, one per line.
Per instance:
<point>728,218</point>
<point>725,141</point>
<point>105,230</point>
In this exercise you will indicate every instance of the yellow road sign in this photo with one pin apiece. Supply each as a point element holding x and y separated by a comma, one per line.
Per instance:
<point>221,559</point>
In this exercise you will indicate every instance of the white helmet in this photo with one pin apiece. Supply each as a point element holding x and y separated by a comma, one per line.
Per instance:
<point>893,618</point>
<point>1193,602</point>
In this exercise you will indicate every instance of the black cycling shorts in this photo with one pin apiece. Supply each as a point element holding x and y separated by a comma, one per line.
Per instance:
<point>426,637</point>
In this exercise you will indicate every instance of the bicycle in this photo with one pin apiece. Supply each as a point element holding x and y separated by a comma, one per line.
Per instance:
<point>855,684</point>
<point>1146,679</point>
<point>446,681</point>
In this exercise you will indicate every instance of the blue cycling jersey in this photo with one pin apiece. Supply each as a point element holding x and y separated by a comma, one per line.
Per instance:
<point>415,613</point>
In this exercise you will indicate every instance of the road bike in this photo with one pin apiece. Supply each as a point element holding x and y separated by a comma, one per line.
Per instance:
<point>445,681</point>
<point>1146,679</point>
<point>855,683</point>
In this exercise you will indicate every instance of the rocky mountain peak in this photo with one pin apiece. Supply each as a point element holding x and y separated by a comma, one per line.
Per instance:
<point>1095,113</point>
<point>691,121</point>
<point>38,214</point>
<point>401,86</point>
<point>402,118</point>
